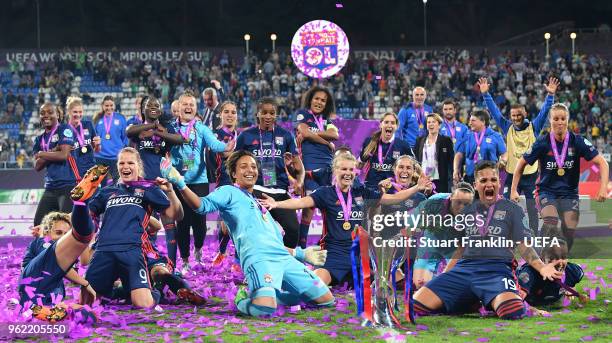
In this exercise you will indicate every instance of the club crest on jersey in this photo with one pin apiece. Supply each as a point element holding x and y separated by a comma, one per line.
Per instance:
<point>488,140</point>
<point>300,117</point>
<point>116,122</point>
<point>524,276</point>
<point>458,128</point>
<point>409,203</point>
<point>268,278</point>
<point>499,215</point>
<point>570,152</point>
<point>139,192</point>
<point>396,154</point>
<point>279,140</point>
<point>68,133</point>
<point>85,131</point>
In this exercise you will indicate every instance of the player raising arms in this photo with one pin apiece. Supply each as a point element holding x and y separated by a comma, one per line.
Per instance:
<point>273,272</point>
<point>559,156</point>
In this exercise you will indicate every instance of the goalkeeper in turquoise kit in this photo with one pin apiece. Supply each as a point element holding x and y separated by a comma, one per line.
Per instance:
<point>275,274</point>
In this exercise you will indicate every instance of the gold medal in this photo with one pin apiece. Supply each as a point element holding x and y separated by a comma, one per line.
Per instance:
<point>346,226</point>
<point>107,136</point>
<point>84,149</point>
<point>561,172</point>
<point>454,140</point>
<point>420,126</point>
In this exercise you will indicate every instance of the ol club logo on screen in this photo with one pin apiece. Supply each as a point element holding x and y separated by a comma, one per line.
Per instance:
<point>320,49</point>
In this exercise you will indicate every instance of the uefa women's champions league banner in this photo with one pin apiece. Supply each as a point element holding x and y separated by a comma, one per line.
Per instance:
<point>123,55</point>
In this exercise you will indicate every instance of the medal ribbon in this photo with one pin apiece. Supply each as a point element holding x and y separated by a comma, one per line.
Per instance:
<point>560,159</point>
<point>483,229</point>
<point>449,129</point>
<point>107,123</point>
<point>45,144</point>
<point>478,142</point>
<point>248,194</point>
<point>318,121</point>
<point>79,134</point>
<point>381,159</point>
<point>346,205</point>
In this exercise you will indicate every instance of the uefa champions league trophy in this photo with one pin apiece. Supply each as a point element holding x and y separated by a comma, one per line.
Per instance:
<point>376,291</point>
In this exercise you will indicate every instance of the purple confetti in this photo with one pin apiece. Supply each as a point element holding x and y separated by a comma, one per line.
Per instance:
<point>339,6</point>
<point>482,339</point>
<point>586,338</point>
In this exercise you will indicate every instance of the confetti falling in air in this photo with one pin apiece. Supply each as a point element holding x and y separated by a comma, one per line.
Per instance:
<point>339,6</point>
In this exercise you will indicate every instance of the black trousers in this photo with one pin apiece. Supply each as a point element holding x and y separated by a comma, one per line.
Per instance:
<point>53,200</point>
<point>286,218</point>
<point>191,220</point>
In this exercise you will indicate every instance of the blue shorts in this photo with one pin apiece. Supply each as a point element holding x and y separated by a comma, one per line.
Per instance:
<point>45,267</point>
<point>338,264</point>
<point>563,203</point>
<point>107,266</point>
<point>471,281</point>
<point>310,185</point>
<point>287,274</point>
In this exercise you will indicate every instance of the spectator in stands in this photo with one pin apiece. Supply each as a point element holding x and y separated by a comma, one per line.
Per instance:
<point>111,126</point>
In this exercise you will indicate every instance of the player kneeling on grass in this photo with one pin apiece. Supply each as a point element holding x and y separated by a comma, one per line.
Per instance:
<point>485,271</point>
<point>275,274</point>
<point>50,259</point>
<point>123,243</point>
<point>161,274</point>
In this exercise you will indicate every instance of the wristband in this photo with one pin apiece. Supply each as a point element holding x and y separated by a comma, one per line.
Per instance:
<point>298,253</point>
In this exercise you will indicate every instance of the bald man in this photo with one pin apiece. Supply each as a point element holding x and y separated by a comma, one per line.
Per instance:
<point>412,117</point>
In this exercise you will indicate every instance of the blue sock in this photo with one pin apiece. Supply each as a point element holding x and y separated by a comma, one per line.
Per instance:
<point>245,306</point>
<point>82,227</point>
<point>304,227</point>
<point>171,243</point>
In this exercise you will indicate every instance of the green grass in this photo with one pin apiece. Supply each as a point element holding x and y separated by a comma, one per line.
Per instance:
<point>569,324</point>
<point>603,210</point>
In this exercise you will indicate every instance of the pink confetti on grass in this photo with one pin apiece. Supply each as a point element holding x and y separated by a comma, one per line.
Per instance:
<point>599,268</point>
<point>586,338</point>
<point>482,339</point>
